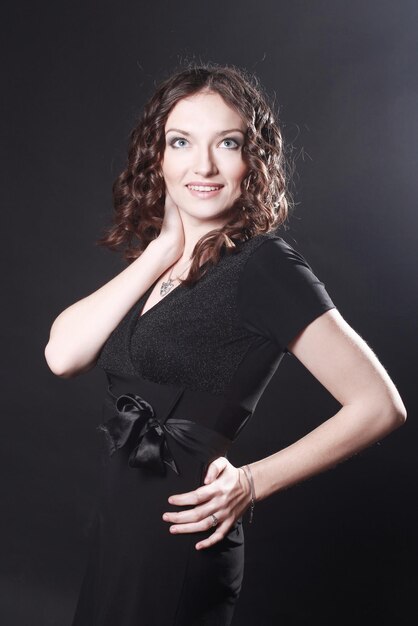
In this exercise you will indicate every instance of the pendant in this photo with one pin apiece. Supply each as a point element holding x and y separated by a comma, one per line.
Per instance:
<point>166,287</point>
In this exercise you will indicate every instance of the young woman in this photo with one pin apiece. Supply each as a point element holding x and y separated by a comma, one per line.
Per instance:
<point>189,335</point>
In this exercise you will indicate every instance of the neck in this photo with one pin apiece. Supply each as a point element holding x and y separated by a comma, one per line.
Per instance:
<point>195,230</point>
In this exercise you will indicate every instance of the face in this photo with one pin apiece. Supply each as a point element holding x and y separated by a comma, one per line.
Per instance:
<point>203,164</point>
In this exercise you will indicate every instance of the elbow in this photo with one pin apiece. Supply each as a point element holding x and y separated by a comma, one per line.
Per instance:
<point>395,415</point>
<point>399,413</point>
<point>383,417</point>
<point>400,416</point>
<point>56,364</point>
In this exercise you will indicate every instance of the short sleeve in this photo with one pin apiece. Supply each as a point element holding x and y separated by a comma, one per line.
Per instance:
<point>278,293</point>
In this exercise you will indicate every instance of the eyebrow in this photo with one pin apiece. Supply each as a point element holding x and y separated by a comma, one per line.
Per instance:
<point>222,132</point>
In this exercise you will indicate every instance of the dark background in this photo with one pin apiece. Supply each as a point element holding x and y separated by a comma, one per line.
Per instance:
<point>341,547</point>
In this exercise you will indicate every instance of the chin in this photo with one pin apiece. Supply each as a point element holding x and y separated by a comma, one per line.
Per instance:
<point>207,213</point>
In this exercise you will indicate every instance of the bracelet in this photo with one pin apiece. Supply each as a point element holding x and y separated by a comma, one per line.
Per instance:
<point>249,476</point>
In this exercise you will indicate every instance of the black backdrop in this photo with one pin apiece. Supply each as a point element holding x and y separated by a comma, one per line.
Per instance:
<point>341,547</point>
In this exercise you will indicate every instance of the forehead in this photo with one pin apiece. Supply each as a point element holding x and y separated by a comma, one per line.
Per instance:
<point>209,109</point>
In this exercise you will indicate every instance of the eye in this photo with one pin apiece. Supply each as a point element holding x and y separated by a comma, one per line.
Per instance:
<point>175,140</point>
<point>234,141</point>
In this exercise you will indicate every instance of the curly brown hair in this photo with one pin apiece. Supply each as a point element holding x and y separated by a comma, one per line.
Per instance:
<point>139,191</point>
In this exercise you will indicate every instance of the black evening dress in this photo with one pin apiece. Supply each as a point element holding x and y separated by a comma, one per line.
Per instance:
<point>182,380</point>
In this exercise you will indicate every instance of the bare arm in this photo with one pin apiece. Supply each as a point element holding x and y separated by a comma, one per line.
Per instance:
<point>335,354</point>
<point>372,407</point>
<point>79,332</point>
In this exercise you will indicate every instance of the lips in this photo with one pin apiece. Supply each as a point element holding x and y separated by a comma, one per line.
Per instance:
<point>204,192</point>
<point>197,186</point>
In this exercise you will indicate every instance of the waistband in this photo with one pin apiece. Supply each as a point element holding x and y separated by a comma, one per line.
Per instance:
<point>141,412</point>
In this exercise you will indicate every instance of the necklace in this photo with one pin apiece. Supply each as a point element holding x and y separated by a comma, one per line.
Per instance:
<point>167,286</point>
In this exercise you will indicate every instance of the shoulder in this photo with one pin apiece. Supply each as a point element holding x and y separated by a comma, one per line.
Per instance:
<point>278,292</point>
<point>269,253</point>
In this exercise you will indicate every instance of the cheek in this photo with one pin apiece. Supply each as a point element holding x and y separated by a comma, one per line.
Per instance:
<point>236,177</point>
<point>230,162</point>
<point>239,173</point>
<point>238,167</point>
<point>165,168</point>
<point>169,168</point>
<point>174,174</point>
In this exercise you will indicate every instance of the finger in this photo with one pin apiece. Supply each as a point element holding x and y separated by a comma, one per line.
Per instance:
<point>201,494</point>
<point>215,537</point>
<point>194,515</point>
<point>215,468</point>
<point>202,525</point>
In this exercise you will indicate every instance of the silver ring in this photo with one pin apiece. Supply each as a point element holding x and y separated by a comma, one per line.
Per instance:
<point>215,520</point>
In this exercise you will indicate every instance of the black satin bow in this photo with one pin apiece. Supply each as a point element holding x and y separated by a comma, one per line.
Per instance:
<point>152,450</point>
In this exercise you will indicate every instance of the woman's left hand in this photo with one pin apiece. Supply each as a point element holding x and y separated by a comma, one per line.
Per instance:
<point>226,494</point>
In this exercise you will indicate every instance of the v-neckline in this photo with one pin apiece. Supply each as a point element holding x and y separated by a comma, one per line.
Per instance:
<point>145,296</point>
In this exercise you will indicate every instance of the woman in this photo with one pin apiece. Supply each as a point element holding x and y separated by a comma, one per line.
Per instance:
<point>189,335</point>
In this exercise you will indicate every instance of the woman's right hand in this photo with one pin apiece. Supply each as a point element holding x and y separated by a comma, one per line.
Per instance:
<point>172,233</point>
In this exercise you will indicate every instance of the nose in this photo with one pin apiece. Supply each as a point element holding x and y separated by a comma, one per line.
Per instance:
<point>205,164</point>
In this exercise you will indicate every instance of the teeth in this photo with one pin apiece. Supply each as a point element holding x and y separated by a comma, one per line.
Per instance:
<point>202,188</point>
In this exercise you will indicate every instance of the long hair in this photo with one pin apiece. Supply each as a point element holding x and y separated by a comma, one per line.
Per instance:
<point>139,191</point>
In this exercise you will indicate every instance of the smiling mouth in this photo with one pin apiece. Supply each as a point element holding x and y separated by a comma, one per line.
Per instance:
<point>204,187</point>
